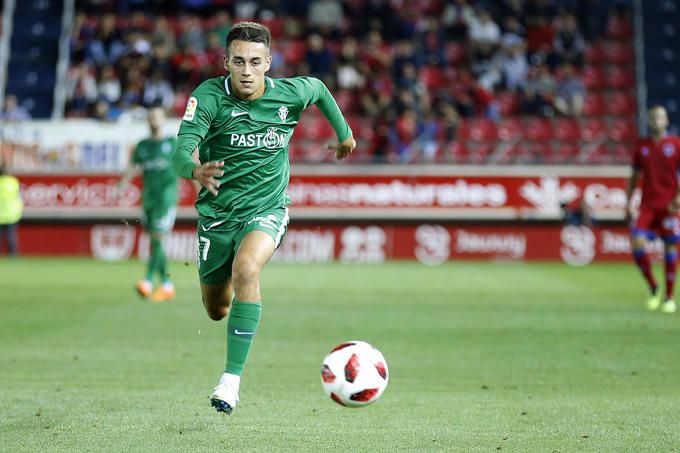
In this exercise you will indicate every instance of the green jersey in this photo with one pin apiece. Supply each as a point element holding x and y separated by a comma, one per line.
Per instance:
<point>251,138</point>
<point>159,181</point>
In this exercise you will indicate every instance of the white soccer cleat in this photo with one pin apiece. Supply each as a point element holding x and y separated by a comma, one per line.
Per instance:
<point>668,306</point>
<point>225,396</point>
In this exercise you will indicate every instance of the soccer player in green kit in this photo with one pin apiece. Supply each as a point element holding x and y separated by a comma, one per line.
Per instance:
<point>241,125</point>
<point>153,156</point>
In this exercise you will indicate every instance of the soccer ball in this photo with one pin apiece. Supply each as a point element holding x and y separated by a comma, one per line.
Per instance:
<point>354,374</point>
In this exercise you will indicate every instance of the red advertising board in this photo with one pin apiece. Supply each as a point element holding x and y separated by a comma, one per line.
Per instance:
<point>443,193</point>
<point>431,244</point>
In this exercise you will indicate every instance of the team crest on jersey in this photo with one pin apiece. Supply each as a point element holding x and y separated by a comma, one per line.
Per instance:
<point>166,148</point>
<point>283,113</point>
<point>668,149</point>
<point>192,103</point>
<point>645,151</point>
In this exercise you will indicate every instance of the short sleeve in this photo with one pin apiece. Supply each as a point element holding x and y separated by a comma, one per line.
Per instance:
<point>200,110</point>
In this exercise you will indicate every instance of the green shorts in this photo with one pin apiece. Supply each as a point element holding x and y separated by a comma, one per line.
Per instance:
<point>218,241</point>
<point>159,219</point>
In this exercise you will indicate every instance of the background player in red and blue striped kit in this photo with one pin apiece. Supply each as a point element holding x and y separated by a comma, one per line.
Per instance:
<point>656,160</point>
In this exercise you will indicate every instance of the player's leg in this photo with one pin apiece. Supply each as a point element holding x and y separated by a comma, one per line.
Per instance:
<point>640,234</point>
<point>217,299</point>
<point>670,267</point>
<point>260,238</point>
<point>253,253</point>
<point>144,287</point>
<point>159,228</point>
<point>671,236</point>
<point>12,239</point>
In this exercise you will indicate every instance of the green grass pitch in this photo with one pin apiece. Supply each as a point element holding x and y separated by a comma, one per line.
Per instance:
<point>483,357</point>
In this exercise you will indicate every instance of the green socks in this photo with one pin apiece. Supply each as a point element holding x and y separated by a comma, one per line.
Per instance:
<point>241,328</point>
<point>157,261</point>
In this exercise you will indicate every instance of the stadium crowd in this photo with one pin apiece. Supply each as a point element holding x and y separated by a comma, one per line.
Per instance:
<point>419,81</point>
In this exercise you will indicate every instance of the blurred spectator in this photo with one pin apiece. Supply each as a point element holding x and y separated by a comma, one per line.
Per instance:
<point>570,93</point>
<point>457,17</point>
<point>103,111</point>
<point>12,111</point>
<point>163,35</point>
<point>158,92</point>
<point>539,92</point>
<point>569,45</point>
<point>11,208</point>
<point>513,33</point>
<point>221,26</point>
<point>349,75</point>
<point>107,45</point>
<point>484,31</point>
<point>318,57</point>
<point>515,67</point>
<point>540,37</point>
<point>108,85</point>
<point>81,89</point>
<point>431,41</point>
<point>325,16</point>
<point>193,36</point>
<point>376,54</point>
<point>486,65</point>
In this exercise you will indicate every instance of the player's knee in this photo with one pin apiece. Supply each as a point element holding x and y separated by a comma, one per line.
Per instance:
<point>245,271</point>
<point>217,314</point>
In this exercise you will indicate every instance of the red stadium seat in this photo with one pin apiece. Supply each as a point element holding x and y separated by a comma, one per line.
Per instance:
<point>479,153</point>
<point>621,78</point>
<point>567,130</point>
<point>593,129</point>
<point>594,105</point>
<point>594,54</point>
<point>594,78</point>
<point>562,154</point>
<point>622,130</point>
<point>619,52</point>
<point>599,155</point>
<point>483,130</point>
<point>509,103</point>
<point>621,104</point>
<point>275,25</point>
<point>510,129</point>
<point>622,154</point>
<point>538,129</point>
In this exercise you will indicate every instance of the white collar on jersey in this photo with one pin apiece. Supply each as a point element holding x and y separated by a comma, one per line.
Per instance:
<point>226,83</point>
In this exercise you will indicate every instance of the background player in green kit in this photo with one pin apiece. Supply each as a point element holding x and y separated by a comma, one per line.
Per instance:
<point>241,125</point>
<point>153,156</point>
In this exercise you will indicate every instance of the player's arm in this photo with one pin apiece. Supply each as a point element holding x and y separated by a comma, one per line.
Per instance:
<point>323,99</point>
<point>195,125</point>
<point>133,170</point>
<point>632,184</point>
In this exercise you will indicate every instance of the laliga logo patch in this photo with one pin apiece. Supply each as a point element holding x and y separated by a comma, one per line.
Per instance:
<point>166,148</point>
<point>192,103</point>
<point>668,149</point>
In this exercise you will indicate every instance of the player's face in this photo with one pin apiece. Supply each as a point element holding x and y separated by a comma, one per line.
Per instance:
<point>156,118</point>
<point>247,62</point>
<point>658,121</point>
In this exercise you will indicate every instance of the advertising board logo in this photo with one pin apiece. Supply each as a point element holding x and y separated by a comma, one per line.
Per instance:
<point>112,242</point>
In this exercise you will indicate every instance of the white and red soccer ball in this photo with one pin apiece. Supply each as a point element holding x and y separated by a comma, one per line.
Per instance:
<point>354,374</point>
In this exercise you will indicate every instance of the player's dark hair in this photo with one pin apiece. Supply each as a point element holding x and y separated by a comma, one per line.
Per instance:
<point>251,32</point>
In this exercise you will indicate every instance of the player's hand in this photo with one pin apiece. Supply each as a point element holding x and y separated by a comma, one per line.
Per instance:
<point>344,148</point>
<point>205,175</point>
